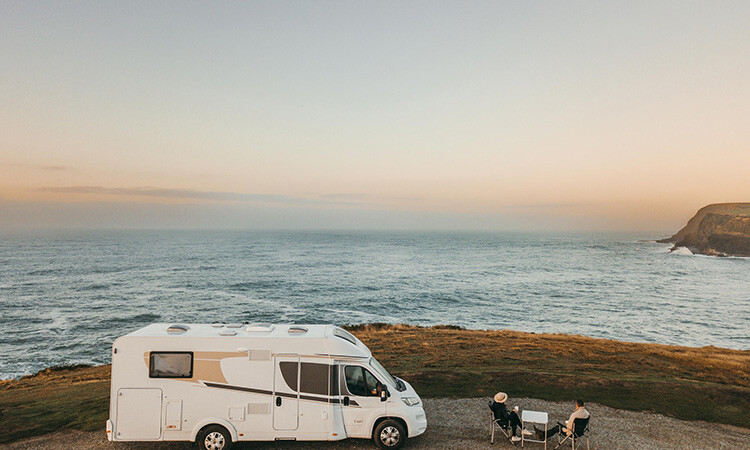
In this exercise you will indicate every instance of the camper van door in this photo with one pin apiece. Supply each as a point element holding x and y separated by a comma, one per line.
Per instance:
<point>364,404</point>
<point>286,392</point>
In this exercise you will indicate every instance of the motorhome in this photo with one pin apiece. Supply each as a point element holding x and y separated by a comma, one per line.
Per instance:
<point>216,384</point>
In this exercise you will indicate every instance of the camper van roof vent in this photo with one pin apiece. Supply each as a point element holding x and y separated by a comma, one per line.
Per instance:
<point>263,327</point>
<point>234,325</point>
<point>227,333</point>
<point>296,329</point>
<point>177,328</point>
<point>217,325</point>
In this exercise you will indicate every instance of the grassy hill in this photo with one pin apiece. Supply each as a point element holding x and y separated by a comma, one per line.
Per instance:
<point>708,383</point>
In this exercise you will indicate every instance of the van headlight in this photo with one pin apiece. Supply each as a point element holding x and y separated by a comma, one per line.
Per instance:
<point>410,401</point>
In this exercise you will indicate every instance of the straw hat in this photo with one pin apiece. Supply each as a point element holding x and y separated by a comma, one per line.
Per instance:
<point>500,397</point>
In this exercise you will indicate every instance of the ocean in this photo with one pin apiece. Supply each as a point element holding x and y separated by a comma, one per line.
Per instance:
<point>65,296</point>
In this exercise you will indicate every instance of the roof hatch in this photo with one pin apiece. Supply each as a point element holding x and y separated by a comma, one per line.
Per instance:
<point>177,328</point>
<point>261,327</point>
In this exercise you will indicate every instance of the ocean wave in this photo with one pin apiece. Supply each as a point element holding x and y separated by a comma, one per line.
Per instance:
<point>44,271</point>
<point>145,317</point>
<point>95,287</point>
<point>682,251</point>
<point>252,285</point>
<point>120,321</point>
<point>104,270</point>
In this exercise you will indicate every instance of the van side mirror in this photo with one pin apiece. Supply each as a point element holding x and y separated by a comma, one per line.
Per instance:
<point>384,394</point>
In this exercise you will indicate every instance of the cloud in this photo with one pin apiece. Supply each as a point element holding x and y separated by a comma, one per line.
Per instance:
<point>541,205</point>
<point>347,196</point>
<point>360,199</point>
<point>40,167</point>
<point>181,194</point>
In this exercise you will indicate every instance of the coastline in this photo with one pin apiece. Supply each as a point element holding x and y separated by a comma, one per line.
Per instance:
<point>709,383</point>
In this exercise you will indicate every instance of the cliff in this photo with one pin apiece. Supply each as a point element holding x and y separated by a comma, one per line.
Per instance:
<point>721,229</point>
<point>708,383</point>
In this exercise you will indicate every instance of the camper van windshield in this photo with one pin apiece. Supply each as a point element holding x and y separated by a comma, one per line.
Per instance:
<point>384,373</point>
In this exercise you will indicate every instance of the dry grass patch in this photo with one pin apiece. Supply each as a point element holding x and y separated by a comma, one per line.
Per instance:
<point>706,383</point>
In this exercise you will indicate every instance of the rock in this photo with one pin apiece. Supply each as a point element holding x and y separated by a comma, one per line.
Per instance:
<point>721,229</point>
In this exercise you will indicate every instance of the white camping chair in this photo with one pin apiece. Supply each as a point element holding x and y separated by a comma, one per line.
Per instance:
<point>500,423</point>
<point>534,417</point>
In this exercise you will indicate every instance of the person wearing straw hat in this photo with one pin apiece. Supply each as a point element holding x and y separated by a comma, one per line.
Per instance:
<point>500,411</point>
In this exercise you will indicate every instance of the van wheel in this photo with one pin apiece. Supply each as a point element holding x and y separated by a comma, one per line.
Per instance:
<point>389,434</point>
<point>214,437</point>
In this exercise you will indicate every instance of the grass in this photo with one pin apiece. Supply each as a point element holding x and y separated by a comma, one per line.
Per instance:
<point>56,398</point>
<point>708,383</point>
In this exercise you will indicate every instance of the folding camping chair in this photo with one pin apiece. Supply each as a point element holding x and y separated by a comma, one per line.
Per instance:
<point>580,431</point>
<point>501,423</point>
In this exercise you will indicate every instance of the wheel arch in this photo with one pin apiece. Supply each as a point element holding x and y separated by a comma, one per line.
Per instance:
<point>214,421</point>
<point>382,418</point>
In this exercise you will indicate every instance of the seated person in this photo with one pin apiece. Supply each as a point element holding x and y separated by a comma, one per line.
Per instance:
<point>579,413</point>
<point>500,411</point>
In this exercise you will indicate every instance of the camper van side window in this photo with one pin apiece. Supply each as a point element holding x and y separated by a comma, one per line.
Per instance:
<point>171,365</point>
<point>360,381</point>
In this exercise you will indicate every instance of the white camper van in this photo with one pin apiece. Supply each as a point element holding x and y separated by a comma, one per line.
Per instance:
<point>218,384</point>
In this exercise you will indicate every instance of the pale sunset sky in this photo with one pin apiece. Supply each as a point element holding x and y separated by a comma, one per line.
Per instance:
<point>497,115</point>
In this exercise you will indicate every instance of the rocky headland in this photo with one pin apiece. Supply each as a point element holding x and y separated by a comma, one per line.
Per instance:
<point>721,229</point>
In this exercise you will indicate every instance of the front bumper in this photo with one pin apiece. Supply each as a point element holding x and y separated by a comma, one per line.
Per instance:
<point>417,421</point>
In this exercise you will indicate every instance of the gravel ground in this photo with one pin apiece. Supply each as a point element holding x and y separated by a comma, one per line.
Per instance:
<point>464,424</point>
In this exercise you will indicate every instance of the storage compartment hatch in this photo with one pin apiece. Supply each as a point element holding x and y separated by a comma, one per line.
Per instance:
<point>138,414</point>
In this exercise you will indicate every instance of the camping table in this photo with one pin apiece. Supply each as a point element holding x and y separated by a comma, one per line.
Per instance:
<point>534,417</point>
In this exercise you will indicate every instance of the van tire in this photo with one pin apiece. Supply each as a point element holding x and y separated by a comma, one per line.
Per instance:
<point>214,437</point>
<point>389,434</point>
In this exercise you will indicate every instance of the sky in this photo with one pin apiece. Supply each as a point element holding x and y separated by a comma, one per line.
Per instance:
<point>497,115</point>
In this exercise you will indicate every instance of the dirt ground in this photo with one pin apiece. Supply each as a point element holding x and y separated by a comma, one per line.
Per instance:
<point>464,424</point>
